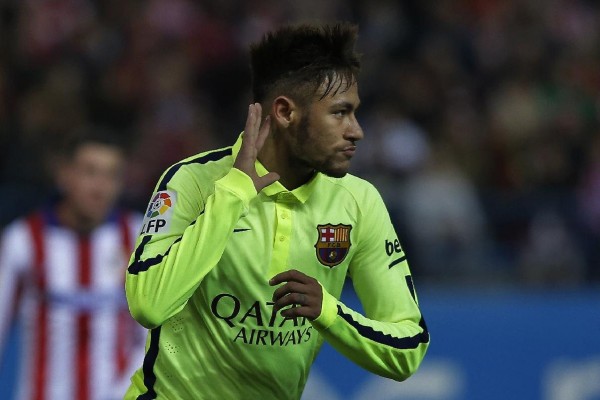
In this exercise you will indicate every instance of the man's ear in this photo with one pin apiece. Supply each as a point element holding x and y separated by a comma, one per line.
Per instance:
<point>284,111</point>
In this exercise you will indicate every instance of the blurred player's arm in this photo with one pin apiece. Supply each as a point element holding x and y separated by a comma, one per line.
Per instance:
<point>136,335</point>
<point>14,257</point>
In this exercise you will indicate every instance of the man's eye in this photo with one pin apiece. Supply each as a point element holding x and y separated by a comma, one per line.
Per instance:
<point>340,113</point>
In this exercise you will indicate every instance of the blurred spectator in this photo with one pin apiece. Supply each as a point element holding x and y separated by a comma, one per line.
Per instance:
<point>509,89</point>
<point>589,208</point>
<point>446,223</point>
<point>62,268</point>
<point>550,256</point>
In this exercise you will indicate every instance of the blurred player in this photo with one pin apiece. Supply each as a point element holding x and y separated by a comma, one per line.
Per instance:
<point>63,268</point>
<point>238,270</point>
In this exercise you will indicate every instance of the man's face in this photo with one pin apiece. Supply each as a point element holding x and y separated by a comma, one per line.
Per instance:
<point>326,135</point>
<point>92,181</point>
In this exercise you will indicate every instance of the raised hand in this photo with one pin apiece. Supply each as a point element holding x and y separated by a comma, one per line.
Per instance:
<point>253,139</point>
<point>300,289</point>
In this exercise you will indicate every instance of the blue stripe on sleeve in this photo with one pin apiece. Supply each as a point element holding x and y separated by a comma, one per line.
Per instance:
<point>148,366</point>
<point>403,343</point>
<point>138,265</point>
<point>212,156</point>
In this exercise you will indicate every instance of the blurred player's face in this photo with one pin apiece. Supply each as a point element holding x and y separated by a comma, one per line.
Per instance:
<point>326,134</point>
<point>91,182</point>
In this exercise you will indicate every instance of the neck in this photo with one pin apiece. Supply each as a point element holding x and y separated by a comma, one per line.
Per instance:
<point>276,157</point>
<point>69,217</point>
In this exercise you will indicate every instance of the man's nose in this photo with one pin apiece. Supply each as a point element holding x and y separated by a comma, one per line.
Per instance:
<point>354,131</point>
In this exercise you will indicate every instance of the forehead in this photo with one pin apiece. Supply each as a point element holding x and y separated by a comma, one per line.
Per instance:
<point>97,152</point>
<point>340,92</point>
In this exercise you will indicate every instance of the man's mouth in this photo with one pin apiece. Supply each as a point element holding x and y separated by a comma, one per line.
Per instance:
<point>349,150</point>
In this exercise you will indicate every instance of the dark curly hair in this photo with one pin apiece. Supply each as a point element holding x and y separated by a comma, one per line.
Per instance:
<point>297,60</point>
<point>92,134</point>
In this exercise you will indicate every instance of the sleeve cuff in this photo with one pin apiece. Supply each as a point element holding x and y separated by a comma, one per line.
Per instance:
<point>238,183</point>
<point>328,311</point>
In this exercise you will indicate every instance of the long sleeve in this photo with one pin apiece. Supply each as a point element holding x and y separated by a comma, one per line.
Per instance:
<point>167,267</point>
<point>391,338</point>
<point>14,257</point>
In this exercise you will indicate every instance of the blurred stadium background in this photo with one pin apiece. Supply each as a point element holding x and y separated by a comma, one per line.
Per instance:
<point>482,122</point>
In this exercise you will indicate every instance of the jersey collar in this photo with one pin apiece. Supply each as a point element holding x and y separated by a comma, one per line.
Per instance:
<point>276,190</point>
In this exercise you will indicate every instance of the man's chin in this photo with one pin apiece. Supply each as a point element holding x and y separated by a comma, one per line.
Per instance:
<point>335,173</point>
<point>334,170</point>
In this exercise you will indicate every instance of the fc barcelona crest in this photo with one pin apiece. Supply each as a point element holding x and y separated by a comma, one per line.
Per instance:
<point>333,243</point>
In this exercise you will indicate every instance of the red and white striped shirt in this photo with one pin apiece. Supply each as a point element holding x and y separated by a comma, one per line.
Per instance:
<point>78,339</point>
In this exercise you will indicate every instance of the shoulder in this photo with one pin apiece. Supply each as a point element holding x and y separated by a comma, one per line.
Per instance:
<point>184,187</point>
<point>196,174</point>
<point>207,165</point>
<point>356,194</point>
<point>360,189</point>
<point>18,229</point>
<point>16,240</point>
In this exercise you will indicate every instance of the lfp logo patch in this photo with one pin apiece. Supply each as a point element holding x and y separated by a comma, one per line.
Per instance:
<point>159,205</point>
<point>159,213</point>
<point>333,243</point>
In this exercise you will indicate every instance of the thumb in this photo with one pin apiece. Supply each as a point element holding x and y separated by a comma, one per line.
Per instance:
<point>266,180</point>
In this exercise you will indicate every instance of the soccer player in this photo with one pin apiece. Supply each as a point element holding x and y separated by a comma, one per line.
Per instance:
<point>68,260</point>
<point>244,250</point>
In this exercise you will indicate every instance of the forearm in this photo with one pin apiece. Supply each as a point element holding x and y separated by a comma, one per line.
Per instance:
<point>393,349</point>
<point>11,252</point>
<point>158,285</point>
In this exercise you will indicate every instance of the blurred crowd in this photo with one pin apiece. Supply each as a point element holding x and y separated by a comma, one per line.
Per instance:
<point>482,117</point>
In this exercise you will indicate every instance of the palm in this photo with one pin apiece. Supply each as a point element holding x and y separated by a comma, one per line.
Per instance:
<point>253,139</point>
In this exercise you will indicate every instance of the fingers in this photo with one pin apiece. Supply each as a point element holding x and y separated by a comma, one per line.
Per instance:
<point>256,119</point>
<point>296,300</point>
<point>266,180</point>
<point>293,299</point>
<point>250,131</point>
<point>254,133</point>
<point>253,139</point>
<point>300,291</point>
<point>300,299</point>
<point>288,288</point>
<point>263,133</point>
<point>298,305</point>
<point>290,275</point>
